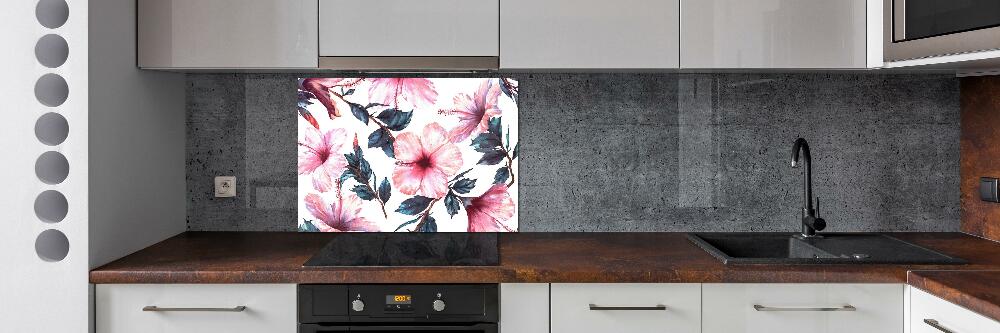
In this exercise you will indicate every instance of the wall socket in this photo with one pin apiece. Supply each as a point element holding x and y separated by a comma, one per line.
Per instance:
<point>225,187</point>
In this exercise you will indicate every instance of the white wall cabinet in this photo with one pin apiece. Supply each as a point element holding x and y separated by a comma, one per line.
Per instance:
<point>227,34</point>
<point>270,308</point>
<point>802,308</point>
<point>406,28</point>
<point>582,34</point>
<point>776,34</point>
<point>927,310</point>
<point>626,307</point>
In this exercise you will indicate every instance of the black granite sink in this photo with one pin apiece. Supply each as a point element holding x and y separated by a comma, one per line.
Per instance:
<point>832,248</point>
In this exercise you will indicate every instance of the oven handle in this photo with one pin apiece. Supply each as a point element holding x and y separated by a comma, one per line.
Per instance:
<point>482,327</point>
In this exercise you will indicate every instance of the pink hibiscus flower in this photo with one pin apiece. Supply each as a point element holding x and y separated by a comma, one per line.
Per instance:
<point>340,213</point>
<point>320,155</point>
<point>424,163</point>
<point>490,209</point>
<point>418,91</point>
<point>474,112</point>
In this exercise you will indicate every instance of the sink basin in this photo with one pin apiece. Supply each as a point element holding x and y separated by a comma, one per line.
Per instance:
<point>836,248</point>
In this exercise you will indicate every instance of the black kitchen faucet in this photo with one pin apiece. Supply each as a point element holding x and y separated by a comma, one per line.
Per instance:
<point>810,221</point>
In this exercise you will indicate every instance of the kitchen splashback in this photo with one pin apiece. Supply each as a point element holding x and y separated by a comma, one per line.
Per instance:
<point>639,152</point>
<point>407,154</point>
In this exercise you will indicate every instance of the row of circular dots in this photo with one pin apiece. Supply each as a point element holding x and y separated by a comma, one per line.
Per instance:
<point>51,129</point>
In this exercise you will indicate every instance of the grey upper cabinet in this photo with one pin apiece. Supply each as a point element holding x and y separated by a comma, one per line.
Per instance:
<point>589,34</point>
<point>408,28</point>
<point>775,34</point>
<point>192,34</point>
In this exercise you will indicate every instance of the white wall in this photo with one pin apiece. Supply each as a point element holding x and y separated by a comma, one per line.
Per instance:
<point>38,295</point>
<point>137,186</point>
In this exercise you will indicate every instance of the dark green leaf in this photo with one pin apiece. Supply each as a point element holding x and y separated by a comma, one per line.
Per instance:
<point>414,205</point>
<point>464,185</point>
<point>485,142</point>
<point>366,172</point>
<point>429,225</point>
<point>407,223</point>
<point>384,190</point>
<point>359,112</point>
<point>388,149</point>
<point>348,174</point>
<point>495,127</point>
<point>370,105</point>
<point>452,203</point>
<point>395,119</point>
<point>379,138</point>
<point>349,92</point>
<point>307,226</point>
<point>501,176</point>
<point>513,154</point>
<point>363,192</point>
<point>492,157</point>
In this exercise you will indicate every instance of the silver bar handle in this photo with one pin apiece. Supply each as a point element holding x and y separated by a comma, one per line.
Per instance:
<point>935,324</point>
<point>658,307</point>
<point>154,308</point>
<point>848,307</point>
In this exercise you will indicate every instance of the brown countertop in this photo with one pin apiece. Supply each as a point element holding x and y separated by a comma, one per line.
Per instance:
<point>978,291</point>
<point>266,257</point>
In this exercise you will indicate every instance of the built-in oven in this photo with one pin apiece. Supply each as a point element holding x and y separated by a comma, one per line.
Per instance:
<point>916,29</point>
<point>387,308</point>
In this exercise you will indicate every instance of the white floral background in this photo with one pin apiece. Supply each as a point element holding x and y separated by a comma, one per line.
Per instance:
<point>407,154</point>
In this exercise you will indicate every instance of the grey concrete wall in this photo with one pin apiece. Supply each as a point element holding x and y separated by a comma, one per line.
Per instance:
<point>640,152</point>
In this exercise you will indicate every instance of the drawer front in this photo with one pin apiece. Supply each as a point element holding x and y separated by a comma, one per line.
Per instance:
<point>269,308</point>
<point>802,308</point>
<point>948,316</point>
<point>679,307</point>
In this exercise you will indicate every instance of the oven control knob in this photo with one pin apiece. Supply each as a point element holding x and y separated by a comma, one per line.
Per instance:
<point>438,305</point>
<point>358,305</point>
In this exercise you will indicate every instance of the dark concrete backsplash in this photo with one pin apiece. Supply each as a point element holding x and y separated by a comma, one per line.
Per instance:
<point>640,152</point>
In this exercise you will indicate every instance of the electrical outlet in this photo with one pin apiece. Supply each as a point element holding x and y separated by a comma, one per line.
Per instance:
<point>225,187</point>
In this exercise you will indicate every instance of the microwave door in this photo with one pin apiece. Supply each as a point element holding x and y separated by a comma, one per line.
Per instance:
<point>916,29</point>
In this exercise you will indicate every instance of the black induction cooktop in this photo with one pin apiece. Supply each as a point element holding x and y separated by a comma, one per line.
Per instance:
<point>409,249</point>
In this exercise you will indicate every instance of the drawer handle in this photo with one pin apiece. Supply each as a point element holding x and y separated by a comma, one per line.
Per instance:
<point>759,307</point>
<point>935,324</point>
<point>154,308</point>
<point>658,307</point>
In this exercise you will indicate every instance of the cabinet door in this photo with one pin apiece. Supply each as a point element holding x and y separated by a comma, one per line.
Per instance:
<point>802,308</point>
<point>227,33</point>
<point>589,34</point>
<point>773,34</point>
<point>524,308</point>
<point>191,308</point>
<point>408,28</point>
<point>626,307</point>
<point>930,314</point>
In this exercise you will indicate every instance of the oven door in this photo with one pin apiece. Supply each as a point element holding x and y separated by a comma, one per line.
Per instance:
<point>474,328</point>
<point>916,29</point>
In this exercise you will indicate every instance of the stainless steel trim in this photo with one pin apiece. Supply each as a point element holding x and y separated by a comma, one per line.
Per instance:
<point>154,308</point>
<point>410,63</point>
<point>658,307</point>
<point>898,20</point>
<point>848,307</point>
<point>957,43</point>
<point>935,324</point>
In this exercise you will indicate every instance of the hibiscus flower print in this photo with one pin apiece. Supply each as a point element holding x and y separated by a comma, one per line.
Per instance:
<point>407,154</point>
<point>419,92</point>
<point>320,156</point>
<point>339,213</point>
<point>474,111</point>
<point>425,162</point>
<point>488,211</point>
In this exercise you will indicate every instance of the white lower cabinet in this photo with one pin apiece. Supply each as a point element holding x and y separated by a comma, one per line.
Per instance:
<point>626,307</point>
<point>930,314</point>
<point>195,308</point>
<point>802,308</point>
<point>524,308</point>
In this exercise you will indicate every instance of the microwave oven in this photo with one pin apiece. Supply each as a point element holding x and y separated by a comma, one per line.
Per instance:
<point>915,29</point>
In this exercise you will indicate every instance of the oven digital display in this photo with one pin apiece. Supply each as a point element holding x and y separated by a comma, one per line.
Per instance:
<point>398,299</point>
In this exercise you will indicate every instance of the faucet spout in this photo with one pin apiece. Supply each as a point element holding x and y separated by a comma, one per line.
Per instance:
<point>810,222</point>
